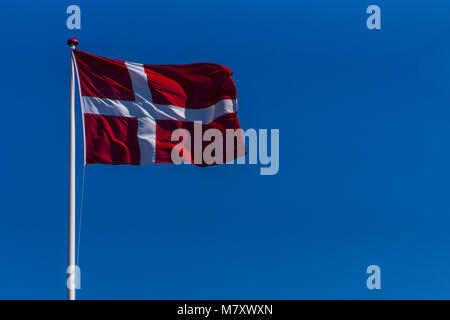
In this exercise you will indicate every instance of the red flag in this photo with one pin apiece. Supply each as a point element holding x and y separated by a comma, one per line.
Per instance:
<point>131,110</point>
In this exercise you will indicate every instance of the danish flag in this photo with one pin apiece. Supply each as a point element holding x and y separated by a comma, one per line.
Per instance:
<point>130,109</point>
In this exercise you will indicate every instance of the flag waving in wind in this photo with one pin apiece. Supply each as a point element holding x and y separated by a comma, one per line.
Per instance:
<point>131,110</point>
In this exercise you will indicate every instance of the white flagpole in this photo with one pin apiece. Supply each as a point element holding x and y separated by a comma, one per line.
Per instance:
<point>71,269</point>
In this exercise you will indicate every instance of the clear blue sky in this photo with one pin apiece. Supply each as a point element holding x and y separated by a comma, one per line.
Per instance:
<point>364,155</point>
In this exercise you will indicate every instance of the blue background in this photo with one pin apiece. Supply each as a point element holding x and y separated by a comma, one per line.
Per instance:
<point>364,155</point>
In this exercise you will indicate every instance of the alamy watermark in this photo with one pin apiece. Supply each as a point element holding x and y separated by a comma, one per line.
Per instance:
<point>217,147</point>
<point>74,20</point>
<point>374,280</point>
<point>374,20</point>
<point>74,277</point>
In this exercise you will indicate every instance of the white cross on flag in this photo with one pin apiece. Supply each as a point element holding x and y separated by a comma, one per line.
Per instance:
<point>130,110</point>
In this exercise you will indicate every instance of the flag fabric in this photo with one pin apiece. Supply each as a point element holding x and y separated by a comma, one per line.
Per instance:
<point>130,110</point>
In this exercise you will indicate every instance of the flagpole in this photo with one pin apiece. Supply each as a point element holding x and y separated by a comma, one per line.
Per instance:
<point>71,269</point>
